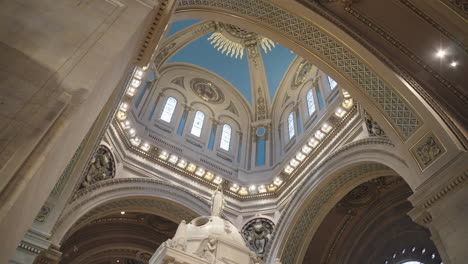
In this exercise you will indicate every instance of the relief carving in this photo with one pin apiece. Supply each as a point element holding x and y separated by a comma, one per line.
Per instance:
<point>428,150</point>
<point>257,234</point>
<point>102,167</point>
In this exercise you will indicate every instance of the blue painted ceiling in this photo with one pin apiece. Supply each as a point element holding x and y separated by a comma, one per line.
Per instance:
<point>236,71</point>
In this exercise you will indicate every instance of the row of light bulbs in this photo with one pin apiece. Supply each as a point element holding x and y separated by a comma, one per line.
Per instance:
<point>320,134</point>
<point>198,171</point>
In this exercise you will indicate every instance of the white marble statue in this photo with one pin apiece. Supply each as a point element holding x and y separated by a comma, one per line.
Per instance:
<point>217,201</point>
<point>180,239</point>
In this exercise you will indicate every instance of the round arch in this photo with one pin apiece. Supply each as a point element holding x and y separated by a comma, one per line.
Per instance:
<point>146,195</point>
<point>394,103</point>
<point>346,168</point>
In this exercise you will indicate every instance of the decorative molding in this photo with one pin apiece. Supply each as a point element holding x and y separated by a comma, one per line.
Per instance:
<point>379,30</point>
<point>306,217</point>
<point>398,111</point>
<point>456,3</point>
<point>257,233</point>
<point>100,168</point>
<point>427,150</point>
<point>446,189</point>
<point>43,213</point>
<point>400,71</point>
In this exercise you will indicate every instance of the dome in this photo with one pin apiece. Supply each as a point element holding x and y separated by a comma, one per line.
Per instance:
<point>214,227</point>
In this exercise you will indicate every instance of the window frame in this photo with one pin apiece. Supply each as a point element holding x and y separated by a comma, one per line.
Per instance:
<point>195,130</point>
<point>168,111</point>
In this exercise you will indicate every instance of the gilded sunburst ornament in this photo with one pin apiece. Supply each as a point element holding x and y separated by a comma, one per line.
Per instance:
<point>232,40</point>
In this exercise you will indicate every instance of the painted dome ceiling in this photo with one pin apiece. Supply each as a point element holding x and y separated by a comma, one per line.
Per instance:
<point>223,105</point>
<point>223,51</point>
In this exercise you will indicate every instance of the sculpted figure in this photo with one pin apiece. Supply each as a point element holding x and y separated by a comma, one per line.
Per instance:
<point>258,235</point>
<point>217,201</point>
<point>99,169</point>
<point>207,250</point>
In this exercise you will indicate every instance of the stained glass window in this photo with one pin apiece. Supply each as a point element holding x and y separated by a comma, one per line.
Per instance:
<point>291,130</point>
<point>332,83</point>
<point>310,102</point>
<point>197,123</point>
<point>168,110</point>
<point>226,137</point>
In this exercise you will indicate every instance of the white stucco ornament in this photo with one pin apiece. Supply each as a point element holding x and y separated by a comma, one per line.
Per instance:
<point>206,239</point>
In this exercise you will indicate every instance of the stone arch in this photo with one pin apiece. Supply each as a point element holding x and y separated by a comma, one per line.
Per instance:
<point>147,195</point>
<point>370,81</point>
<point>341,171</point>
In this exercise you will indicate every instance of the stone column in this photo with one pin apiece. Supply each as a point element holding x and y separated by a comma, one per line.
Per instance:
<point>444,211</point>
<point>65,75</point>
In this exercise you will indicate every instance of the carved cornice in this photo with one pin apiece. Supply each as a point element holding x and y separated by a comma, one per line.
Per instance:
<point>452,185</point>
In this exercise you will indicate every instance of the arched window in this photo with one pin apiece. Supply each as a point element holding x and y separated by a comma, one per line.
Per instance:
<point>332,83</point>
<point>291,131</point>
<point>168,110</point>
<point>310,102</point>
<point>197,123</point>
<point>226,137</point>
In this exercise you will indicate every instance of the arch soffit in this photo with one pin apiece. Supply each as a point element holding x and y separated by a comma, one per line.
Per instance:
<point>148,195</point>
<point>334,52</point>
<point>346,168</point>
<point>227,88</point>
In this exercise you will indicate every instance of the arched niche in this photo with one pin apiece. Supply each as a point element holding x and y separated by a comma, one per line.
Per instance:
<point>145,195</point>
<point>340,172</point>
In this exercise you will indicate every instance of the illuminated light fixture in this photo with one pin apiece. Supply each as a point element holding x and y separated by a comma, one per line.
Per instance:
<point>277,181</point>
<point>126,124</point>
<point>441,53</point>
<point>243,191</point>
<point>288,169</point>
<point>139,74</point>
<point>209,176</point>
<point>124,107</point>
<point>182,164</point>
<point>347,103</point>
<point>163,155</point>
<point>135,141</point>
<point>340,112</point>
<point>300,156</point>
<point>252,188</point>
<point>294,163</point>
<point>132,132</point>
<point>146,146</point>
<point>262,189</point>
<point>191,167</point>
<point>234,187</point>
<point>121,115</point>
<point>313,142</point>
<point>326,127</point>
<point>319,135</point>
<point>200,172</point>
<point>131,91</point>
<point>173,159</point>
<point>117,261</point>
<point>306,149</point>
<point>453,64</point>
<point>135,83</point>
<point>272,187</point>
<point>346,94</point>
<point>122,213</point>
<point>218,180</point>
